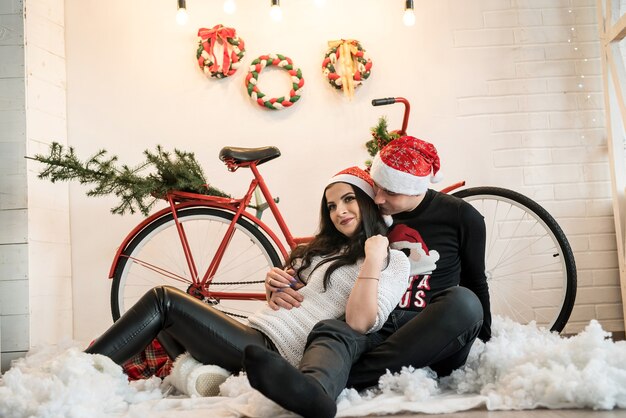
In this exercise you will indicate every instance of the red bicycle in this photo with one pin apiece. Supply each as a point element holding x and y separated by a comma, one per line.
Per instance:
<point>218,250</point>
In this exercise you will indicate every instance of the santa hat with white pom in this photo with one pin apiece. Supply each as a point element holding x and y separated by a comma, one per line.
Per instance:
<point>406,165</point>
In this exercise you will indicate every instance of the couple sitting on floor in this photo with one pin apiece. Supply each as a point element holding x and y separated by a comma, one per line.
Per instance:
<point>348,305</point>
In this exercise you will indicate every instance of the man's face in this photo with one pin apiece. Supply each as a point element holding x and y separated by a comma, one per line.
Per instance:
<point>391,203</point>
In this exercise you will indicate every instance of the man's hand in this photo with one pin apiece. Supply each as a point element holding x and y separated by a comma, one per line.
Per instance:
<point>283,288</point>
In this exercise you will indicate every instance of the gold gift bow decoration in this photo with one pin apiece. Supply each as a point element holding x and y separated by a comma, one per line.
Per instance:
<point>347,51</point>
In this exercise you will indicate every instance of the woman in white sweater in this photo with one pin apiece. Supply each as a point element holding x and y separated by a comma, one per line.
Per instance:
<point>347,269</point>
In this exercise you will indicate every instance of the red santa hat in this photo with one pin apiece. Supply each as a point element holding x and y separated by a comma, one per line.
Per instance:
<point>356,177</point>
<point>404,234</point>
<point>406,165</point>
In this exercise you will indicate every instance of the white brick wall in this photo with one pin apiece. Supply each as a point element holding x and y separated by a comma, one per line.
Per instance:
<point>49,256</point>
<point>35,274</point>
<point>547,124</point>
<point>14,301</point>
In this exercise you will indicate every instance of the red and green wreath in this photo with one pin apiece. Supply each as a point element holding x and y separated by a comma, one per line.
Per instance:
<point>233,47</point>
<point>281,61</point>
<point>355,65</point>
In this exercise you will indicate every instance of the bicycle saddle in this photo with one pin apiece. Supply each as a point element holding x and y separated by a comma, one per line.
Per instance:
<point>245,155</point>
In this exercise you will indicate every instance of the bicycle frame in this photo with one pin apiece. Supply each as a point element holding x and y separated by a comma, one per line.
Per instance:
<point>178,200</point>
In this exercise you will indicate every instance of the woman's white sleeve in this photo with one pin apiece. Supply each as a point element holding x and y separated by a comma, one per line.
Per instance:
<point>392,284</point>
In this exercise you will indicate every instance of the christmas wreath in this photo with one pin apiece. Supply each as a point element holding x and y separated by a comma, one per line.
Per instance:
<point>232,45</point>
<point>281,61</point>
<point>353,61</point>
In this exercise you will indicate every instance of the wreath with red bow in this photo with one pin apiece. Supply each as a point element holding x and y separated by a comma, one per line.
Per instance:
<point>233,51</point>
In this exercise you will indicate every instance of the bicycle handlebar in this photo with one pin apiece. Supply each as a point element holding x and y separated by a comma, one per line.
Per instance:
<point>392,100</point>
<point>383,102</point>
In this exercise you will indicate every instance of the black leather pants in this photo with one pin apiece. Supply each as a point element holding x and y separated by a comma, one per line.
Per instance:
<point>440,337</point>
<point>182,323</point>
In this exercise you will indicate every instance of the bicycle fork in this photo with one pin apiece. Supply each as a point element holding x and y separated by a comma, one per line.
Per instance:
<point>219,253</point>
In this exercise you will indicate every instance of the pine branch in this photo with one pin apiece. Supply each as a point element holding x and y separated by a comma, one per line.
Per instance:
<point>380,138</point>
<point>135,192</point>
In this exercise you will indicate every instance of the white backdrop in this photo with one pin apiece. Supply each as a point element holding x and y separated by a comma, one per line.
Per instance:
<point>133,82</point>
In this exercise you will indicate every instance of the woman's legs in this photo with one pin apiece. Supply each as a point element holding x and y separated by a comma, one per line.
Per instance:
<point>210,336</point>
<point>311,389</point>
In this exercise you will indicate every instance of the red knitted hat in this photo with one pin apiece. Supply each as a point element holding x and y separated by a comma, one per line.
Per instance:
<point>406,165</point>
<point>356,177</point>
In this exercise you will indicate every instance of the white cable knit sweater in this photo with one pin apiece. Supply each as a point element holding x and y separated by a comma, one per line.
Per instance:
<point>289,329</point>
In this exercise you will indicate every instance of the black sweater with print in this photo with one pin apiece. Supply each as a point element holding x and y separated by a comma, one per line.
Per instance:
<point>453,234</point>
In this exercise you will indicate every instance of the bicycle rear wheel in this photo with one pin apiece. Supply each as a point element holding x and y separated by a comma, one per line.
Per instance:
<point>529,263</point>
<point>155,257</point>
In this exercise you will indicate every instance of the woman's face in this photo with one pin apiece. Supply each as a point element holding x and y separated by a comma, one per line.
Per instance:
<point>344,210</point>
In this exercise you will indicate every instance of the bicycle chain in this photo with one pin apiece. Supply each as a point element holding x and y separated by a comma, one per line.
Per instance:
<point>232,283</point>
<point>235,315</point>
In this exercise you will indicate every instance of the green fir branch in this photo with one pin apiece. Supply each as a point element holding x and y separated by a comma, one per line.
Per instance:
<point>380,137</point>
<point>136,192</point>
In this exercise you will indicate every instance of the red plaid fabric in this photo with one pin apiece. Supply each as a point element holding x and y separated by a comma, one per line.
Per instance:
<point>153,361</point>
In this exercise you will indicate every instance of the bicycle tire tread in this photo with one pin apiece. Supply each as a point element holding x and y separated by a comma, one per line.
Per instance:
<point>552,224</point>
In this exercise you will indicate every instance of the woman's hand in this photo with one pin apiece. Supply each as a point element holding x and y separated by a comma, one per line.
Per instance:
<point>362,306</point>
<point>376,248</point>
<point>282,289</point>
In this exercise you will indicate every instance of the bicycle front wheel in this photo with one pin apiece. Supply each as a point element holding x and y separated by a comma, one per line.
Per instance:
<point>529,263</point>
<point>155,257</point>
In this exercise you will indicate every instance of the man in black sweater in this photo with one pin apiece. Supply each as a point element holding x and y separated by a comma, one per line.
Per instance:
<point>446,307</point>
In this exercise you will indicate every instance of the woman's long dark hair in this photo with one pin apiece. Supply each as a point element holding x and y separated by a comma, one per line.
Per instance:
<point>339,249</point>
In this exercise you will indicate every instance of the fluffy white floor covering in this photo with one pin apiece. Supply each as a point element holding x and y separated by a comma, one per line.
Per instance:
<point>522,367</point>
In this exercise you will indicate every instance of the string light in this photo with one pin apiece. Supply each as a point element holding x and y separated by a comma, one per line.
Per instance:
<point>408,18</point>
<point>230,7</point>
<point>181,15</point>
<point>579,53</point>
<point>575,48</point>
<point>276,12</point>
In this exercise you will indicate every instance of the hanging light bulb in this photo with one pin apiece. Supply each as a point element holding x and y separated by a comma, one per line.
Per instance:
<point>230,7</point>
<point>181,15</point>
<point>408,18</point>
<point>276,12</point>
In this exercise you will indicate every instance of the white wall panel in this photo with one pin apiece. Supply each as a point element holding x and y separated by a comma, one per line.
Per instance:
<point>12,63</point>
<point>14,262</point>
<point>15,335</point>
<point>34,222</point>
<point>13,124</point>
<point>14,297</point>
<point>14,226</point>
<point>13,193</point>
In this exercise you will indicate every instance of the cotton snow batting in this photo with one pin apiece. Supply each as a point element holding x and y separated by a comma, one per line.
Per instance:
<point>65,382</point>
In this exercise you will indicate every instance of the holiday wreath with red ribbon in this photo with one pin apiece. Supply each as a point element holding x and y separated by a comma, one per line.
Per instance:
<point>233,51</point>
<point>280,61</point>
<point>351,58</point>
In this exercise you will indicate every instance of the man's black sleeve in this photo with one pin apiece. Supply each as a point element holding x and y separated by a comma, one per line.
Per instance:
<point>472,251</point>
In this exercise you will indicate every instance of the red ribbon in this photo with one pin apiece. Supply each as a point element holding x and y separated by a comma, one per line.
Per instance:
<point>210,37</point>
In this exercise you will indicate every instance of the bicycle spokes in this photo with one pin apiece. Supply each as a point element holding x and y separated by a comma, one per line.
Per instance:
<point>156,258</point>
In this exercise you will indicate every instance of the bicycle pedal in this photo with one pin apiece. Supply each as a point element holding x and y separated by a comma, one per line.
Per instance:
<point>211,301</point>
